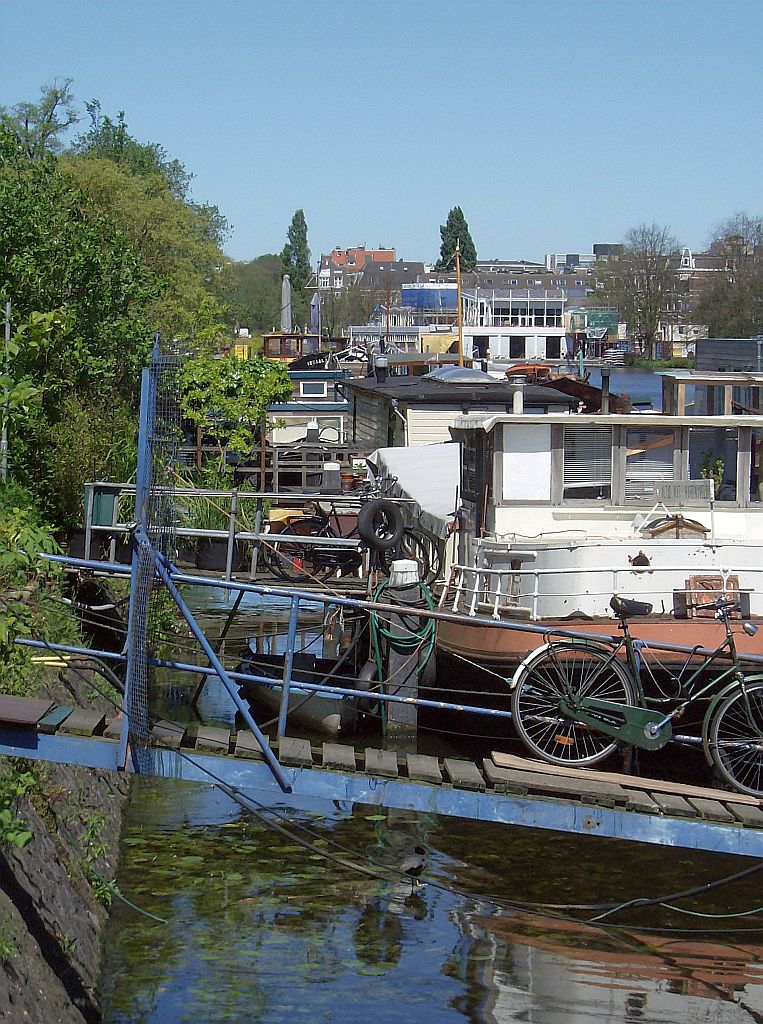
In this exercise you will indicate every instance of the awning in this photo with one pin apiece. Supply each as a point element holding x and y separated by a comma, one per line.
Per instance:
<point>426,474</point>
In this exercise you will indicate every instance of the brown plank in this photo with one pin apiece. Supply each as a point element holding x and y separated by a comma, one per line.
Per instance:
<point>503,780</point>
<point>629,781</point>
<point>671,803</point>
<point>169,734</point>
<point>113,728</point>
<point>295,752</point>
<point>214,740</point>
<point>339,756</point>
<point>23,710</point>
<point>463,774</point>
<point>423,768</point>
<point>604,794</point>
<point>713,810</point>
<point>84,723</point>
<point>248,746</point>
<point>640,801</point>
<point>381,762</point>
<point>751,816</point>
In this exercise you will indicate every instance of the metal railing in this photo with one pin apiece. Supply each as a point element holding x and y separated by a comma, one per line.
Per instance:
<point>484,590</point>
<point>110,508</point>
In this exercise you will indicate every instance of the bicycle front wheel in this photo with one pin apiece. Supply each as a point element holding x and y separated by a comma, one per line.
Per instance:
<point>735,738</point>
<point>295,562</point>
<point>567,671</point>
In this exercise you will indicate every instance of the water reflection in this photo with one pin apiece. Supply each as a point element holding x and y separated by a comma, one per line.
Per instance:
<point>261,928</point>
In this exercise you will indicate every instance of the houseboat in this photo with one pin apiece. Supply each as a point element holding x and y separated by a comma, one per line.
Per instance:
<point>558,513</point>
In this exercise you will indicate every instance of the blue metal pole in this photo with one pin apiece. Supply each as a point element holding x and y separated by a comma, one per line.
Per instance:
<point>214,661</point>
<point>141,490</point>
<point>288,664</point>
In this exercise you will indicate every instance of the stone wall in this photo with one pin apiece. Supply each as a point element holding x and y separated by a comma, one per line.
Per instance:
<point>52,911</point>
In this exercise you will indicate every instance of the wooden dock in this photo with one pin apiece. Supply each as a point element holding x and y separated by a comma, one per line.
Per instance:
<point>503,788</point>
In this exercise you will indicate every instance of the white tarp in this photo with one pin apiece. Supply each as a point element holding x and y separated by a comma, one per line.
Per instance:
<point>428,474</point>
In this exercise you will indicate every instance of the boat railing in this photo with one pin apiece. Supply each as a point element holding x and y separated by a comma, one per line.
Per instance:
<point>110,513</point>
<point>516,592</point>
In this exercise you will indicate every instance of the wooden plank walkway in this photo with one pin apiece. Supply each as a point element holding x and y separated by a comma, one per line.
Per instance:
<point>503,788</point>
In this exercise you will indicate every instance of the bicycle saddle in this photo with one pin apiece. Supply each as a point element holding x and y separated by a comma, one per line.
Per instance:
<point>626,607</point>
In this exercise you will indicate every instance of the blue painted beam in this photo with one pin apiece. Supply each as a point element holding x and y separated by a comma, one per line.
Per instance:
<point>89,752</point>
<point>252,777</point>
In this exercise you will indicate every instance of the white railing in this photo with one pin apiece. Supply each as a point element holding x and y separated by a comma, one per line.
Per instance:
<point>473,590</point>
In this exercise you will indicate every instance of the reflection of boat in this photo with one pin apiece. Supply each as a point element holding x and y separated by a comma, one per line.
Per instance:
<point>330,714</point>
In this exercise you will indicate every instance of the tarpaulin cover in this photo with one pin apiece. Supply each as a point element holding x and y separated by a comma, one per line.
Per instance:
<point>429,475</point>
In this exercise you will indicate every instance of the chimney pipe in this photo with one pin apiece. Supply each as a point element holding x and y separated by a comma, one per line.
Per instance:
<point>380,367</point>
<point>605,372</point>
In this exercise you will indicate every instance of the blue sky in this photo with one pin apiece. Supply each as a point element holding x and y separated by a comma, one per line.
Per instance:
<point>552,124</point>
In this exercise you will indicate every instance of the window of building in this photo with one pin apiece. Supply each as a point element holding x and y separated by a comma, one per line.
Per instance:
<point>514,281</point>
<point>517,348</point>
<point>553,348</point>
<point>313,388</point>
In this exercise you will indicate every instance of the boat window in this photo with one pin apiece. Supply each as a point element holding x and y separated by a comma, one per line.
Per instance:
<point>588,462</point>
<point>472,453</point>
<point>313,388</point>
<point>713,455</point>
<point>648,458</point>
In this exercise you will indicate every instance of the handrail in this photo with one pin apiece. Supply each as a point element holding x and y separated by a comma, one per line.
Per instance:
<point>469,582</point>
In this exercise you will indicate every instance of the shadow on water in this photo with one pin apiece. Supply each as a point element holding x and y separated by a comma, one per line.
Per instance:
<point>262,928</point>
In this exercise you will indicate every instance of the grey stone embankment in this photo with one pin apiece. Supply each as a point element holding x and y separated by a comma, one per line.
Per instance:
<point>51,919</point>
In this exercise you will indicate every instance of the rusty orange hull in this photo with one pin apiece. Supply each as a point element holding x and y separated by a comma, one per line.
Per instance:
<point>500,647</point>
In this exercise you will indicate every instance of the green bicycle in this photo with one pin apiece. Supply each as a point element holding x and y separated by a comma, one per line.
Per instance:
<point>575,701</point>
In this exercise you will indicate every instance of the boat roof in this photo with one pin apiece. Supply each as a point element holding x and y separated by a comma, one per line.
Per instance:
<point>430,390</point>
<point>641,420</point>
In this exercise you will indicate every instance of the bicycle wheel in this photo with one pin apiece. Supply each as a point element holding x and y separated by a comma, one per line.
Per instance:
<point>566,671</point>
<point>304,563</point>
<point>735,738</point>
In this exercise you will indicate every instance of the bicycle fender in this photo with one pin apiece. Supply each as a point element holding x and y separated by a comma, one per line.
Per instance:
<point>539,652</point>
<point>716,700</point>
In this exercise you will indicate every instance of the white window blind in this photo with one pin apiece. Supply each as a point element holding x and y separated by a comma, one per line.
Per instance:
<point>587,461</point>
<point>649,457</point>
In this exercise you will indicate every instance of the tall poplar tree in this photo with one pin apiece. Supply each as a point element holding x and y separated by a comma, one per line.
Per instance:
<point>295,257</point>
<point>456,230</point>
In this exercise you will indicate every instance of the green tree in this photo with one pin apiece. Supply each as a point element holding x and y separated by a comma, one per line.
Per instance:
<point>38,127</point>
<point>732,301</point>
<point>454,231</point>
<point>111,140</point>
<point>295,261</point>
<point>253,293</point>
<point>642,281</point>
<point>228,397</point>
<point>175,240</point>
<point>60,252</point>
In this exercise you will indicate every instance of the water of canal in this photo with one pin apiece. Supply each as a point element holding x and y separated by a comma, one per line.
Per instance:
<point>261,927</point>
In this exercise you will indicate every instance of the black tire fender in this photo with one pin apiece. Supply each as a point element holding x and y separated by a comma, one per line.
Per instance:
<point>380,524</point>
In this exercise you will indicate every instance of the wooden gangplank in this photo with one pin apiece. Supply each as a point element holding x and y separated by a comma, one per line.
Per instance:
<point>503,788</point>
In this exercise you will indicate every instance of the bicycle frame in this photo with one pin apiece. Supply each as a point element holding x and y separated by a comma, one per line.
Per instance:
<point>644,724</point>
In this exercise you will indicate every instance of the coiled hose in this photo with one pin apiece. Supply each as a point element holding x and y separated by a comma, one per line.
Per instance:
<point>418,637</point>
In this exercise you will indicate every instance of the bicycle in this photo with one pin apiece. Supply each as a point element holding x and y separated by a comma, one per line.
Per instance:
<point>379,525</point>
<point>575,701</point>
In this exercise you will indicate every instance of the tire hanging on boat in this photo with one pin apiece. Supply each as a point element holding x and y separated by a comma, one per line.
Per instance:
<point>380,524</point>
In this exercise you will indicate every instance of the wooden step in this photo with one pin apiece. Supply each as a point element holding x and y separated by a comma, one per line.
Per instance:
<point>627,781</point>
<point>23,710</point>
